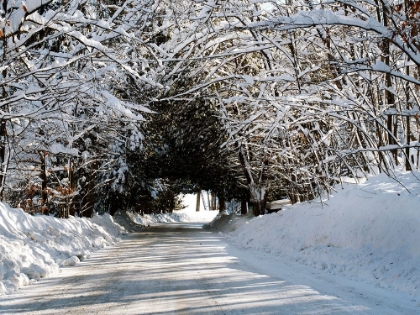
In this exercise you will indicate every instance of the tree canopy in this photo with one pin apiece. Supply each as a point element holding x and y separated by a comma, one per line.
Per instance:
<point>110,104</point>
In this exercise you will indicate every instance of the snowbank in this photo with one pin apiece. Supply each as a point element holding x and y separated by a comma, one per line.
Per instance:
<point>227,222</point>
<point>368,232</point>
<point>175,217</point>
<point>34,247</point>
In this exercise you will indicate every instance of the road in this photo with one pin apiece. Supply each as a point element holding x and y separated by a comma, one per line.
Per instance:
<point>183,269</point>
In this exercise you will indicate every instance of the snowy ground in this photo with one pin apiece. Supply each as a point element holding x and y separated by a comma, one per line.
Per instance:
<point>182,269</point>
<point>176,217</point>
<point>368,234</point>
<point>34,247</point>
<point>188,214</point>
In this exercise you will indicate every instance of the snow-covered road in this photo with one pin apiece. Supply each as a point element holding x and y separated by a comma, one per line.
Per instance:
<point>182,269</point>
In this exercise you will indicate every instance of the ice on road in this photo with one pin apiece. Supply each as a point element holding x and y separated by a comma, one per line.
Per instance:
<point>183,269</point>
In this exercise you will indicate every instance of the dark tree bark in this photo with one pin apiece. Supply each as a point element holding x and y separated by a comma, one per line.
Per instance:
<point>244,207</point>
<point>222,203</point>
<point>197,205</point>
<point>213,201</point>
<point>44,183</point>
<point>3,162</point>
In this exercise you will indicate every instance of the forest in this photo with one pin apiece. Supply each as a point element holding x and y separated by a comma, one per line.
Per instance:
<point>109,105</point>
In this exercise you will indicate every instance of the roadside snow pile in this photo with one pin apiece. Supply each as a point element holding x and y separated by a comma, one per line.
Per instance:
<point>225,222</point>
<point>175,217</point>
<point>34,247</point>
<point>368,232</point>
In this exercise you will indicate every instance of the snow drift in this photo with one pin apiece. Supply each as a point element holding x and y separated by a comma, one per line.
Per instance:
<point>175,217</point>
<point>368,232</point>
<point>34,247</point>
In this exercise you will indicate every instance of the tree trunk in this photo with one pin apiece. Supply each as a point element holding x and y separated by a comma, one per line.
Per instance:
<point>3,130</point>
<point>258,199</point>
<point>389,96</point>
<point>259,207</point>
<point>72,186</point>
<point>172,202</point>
<point>213,201</point>
<point>197,204</point>
<point>208,200</point>
<point>257,191</point>
<point>407,150</point>
<point>222,204</point>
<point>244,207</point>
<point>44,184</point>
<point>407,122</point>
<point>4,161</point>
<point>90,194</point>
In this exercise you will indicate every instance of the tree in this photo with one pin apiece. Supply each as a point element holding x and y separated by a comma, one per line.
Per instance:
<point>62,60</point>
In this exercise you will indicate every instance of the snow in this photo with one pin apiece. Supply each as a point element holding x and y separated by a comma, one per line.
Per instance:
<point>175,217</point>
<point>186,215</point>
<point>34,247</point>
<point>368,232</point>
<point>57,148</point>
